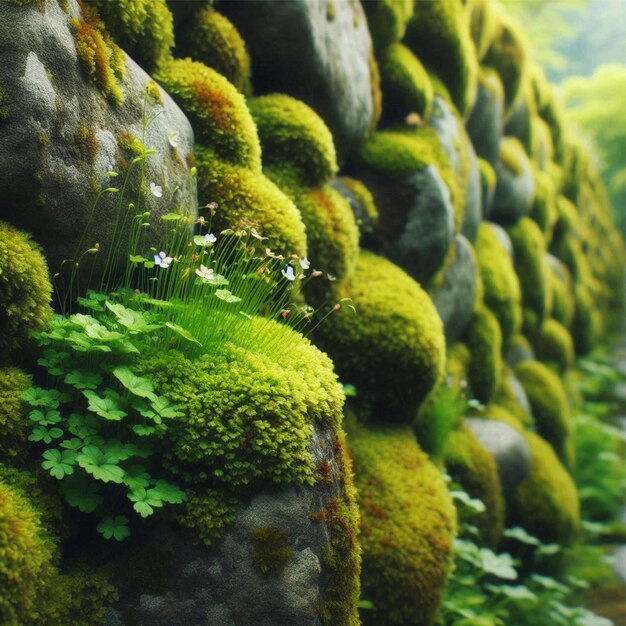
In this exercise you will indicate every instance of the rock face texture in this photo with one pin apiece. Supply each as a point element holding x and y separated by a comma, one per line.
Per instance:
<point>62,133</point>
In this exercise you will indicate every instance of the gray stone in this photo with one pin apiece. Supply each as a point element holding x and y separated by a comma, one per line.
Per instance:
<point>61,135</point>
<point>619,563</point>
<point>455,297</point>
<point>507,446</point>
<point>319,56</point>
<point>485,124</point>
<point>364,221</point>
<point>519,393</point>
<point>518,124</point>
<point>473,213</point>
<point>517,353</point>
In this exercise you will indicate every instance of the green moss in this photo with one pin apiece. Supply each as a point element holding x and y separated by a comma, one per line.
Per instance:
<point>4,110</point>
<point>513,156</point>
<point>549,404</point>
<point>543,210</point>
<point>25,290</point>
<point>131,144</point>
<point>88,143</point>
<point>562,296</point>
<point>393,349</point>
<point>294,137</point>
<point>153,93</point>
<point>506,398</point>
<point>555,345</point>
<point>484,340</point>
<point>502,292</point>
<point>487,177</point>
<point>248,198</point>
<point>439,36</point>
<point>100,58</point>
<point>567,222</point>
<point>375,90</point>
<point>407,526</point>
<point>216,109</point>
<point>143,28</point>
<point>387,20</point>
<point>475,469</point>
<point>483,25</point>
<point>14,427</point>
<point>587,323</point>
<point>405,84</point>
<point>271,552</point>
<point>368,218</point>
<point>545,503</point>
<point>212,39</point>
<point>542,147</point>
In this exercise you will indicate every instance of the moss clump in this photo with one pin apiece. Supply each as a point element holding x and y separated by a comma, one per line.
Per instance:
<point>405,84</point>
<point>502,292</point>
<point>212,39</point>
<point>587,323</point>
<point>549,404</point>
<point>472,467</point>
<point>217,111</point>
<point>25,290</point>
<point>507,398</point>
<point>483,24</point>
<point>367,217</point>
<point>513,156</point>
<point>387,20</point>
<point>272,551</point>
<point>543,210</point>
<point>14,428</point>
<point>247,198</point>
<point>294,138</point>
<point>484,340</point>
<point>438,35</point>
<point>407,526</point>
<point>487,181</point>
<point>100,58</point>
<point>143,28</point>
<point>562,297</point>
<point>393,349</point>
<point>545,503</point>
<point>555,345</point>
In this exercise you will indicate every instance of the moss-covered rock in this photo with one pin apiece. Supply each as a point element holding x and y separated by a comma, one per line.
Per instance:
<point>587,322</point>
<point>555,345</point>
<point>561,286</point>
<point>362,202</point>
<point>502,292</point>
<point>216,109</point>
<point>387,20</point>
<point>25,290</point>
<point>483,24</point>
<point>247,198</point>
<point>487,185</point>
<point>474,469</point>
<point>407,526</point>
<point>294,139</point>
<point>549,404</point>
<point>543,210</point>
<point>393,349</point>
<point>212,39</point>
<point>143,28</point>
<point>546,502</point>
<point>405,84</point>
<point>14,425</point>
<point>439,36</point>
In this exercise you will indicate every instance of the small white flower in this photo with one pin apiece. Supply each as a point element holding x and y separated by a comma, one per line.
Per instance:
<point>331,277</point>
<point>162,260</point>
<point>173,138</point>
<point>288,273</point>
<point>255,234</point>
<point>210,238</point>
<point>156,190</point>
<point>206,273</point>
<point>305,264</point>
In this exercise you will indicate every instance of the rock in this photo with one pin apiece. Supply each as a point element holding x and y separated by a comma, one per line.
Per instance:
<point>62,134</point>
<point>503,237</point>
<point>224,585</point>
<point>519,393</point>
<point>473,213</point>
<point>518,352</point>
<point>507,446</point>
<point>319,55</point>
<point>619,563</point>
<point>455,297</point>
<point>364,218</point>
<point>485,124</point>
<point>518,124</point>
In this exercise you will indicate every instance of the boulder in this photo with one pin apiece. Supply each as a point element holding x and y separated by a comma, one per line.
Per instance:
<point>485,123</point>
<point>317,52</point>
<point>518,392</point>
<point>63,132</point>
<point>507,446</point>
<point>455,297</point>
<point>473,213</point>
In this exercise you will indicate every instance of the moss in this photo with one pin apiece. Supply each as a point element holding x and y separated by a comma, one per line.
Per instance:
<point>562,296</point>
<point>212,39</point>
<point>25,290</point>
<point>131,144</point>
<point>387,20</point>
<point>100,58</point>
<point>549,404</point>
<point>502,414</point>
<point>143,28</point>
<point>405,84</point>
<point>502,292</point>
<point>506,398</point>
<point>567,222</point>
<point>407,526</point>
<point>368,217</point>
<point>216,109</point>
<point>248,198</point>
<point>4,109</point>
<point>487,177</point>
<point>153,94</point>
<point>484,340</point>
<point>483,24</point>
<point>545,503</point>
<point>375,90</point>
<point>293,136</point>
<point>88,143</point>
<point>543,210</point>
<point>586,324</point>
<point>393,349</point>
<point>475,470</point>
<point>555,345</point>
<point>271,552</point>
<point>14,427</point>
<point>513,156</point>
<point>439,36</point>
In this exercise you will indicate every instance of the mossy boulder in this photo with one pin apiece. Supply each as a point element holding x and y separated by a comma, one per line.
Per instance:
<point>487,185</point>
<point>295,140</point>
<point>387,20</point>
<point>555,345</point>
<point>393,348</point>
<point>362,204</point>
<point>407,526</point>
<point>561,285</point>
<point>543,210</point>
<point>519,350</point>
<point>14,428</point>
<point>586,324</point>
<point>483,23</point>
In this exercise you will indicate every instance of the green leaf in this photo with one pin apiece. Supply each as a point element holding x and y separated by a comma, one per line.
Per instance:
<point>167,492</point>
<point>145,500</point>
<point>185,334</point>
<point>143,430</point>
<point>135,321</point>
<point>169,217</point>
<point>53,361</point>
<point>226,296</point>
<point>41,433</point>
<point>165,409</point>
<point>136,477</point>
<point>517,592</point>
<point>58,463</point>
<point>109,407</point>
<point>83,425</point>
<point>72,444</point>
<point>83,380</point>
<point>36,396</point>
<point>519,534</point>
<point>367,605</point>
<point>45,419</point>
<point>87,303</point>
<point>82,494</point>
<point>93,329</point>
<point>116,451</point>
<point>114,527</point>
<point>350,391</point>
<point>137,385</point>
<point>96,463</point>
<point>471,503</point>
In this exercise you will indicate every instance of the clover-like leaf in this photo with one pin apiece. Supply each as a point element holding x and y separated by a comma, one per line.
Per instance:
<point>45,419</point>
<point>36,396</point>
<point>41,433</point>
<point>58,463</point>
<point>83,426</point>
<point>83,380</point>
<point>165,409</point>
<point>227,296</point>
<point>182,332</point>
<point>117,451</point>
<point>519,534</point>
<point>114,527</point>
<point>72,444</point>
<point>53,361</point>
<point>81,493</point>
<point>143,430</point>
<point>136,477</point>
<point>100,466</point>
<point>144,501</point>
<point>135,321</point>
<point>167,492</point>
<point>137,385</point>
<point>94,329</point>
<point>109,407</point>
